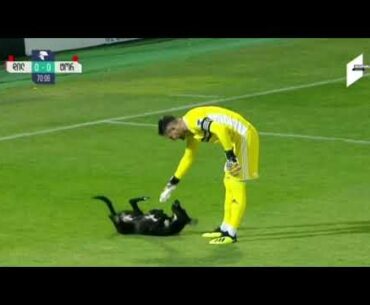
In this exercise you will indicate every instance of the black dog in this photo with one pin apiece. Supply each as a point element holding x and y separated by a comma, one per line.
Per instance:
<point>156,222</point>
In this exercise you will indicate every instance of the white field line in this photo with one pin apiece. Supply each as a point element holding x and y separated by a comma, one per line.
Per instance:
<point>195,95</point>
<point>168,110</point>
<point>130,123</point>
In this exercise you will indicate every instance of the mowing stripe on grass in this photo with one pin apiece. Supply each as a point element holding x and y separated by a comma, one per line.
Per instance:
<point>188,106</point>
<point>273,134</point>
<point>195,95</point>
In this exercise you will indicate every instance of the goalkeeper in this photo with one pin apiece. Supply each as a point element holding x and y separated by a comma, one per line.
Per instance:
<point>240,142</point>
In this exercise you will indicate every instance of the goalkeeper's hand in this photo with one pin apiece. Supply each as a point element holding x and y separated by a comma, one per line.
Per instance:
<point>233,167</point>
<point>232,164</point>
<point>169,188</point>
<point>166,194</point>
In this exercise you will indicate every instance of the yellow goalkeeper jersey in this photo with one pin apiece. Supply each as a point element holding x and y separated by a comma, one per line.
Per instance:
<point>215,125</point>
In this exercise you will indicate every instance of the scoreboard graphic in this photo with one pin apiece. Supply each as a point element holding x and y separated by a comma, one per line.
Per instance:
<point>43,66</point>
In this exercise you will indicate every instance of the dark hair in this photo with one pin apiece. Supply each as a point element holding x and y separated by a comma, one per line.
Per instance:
<point>163,123</point>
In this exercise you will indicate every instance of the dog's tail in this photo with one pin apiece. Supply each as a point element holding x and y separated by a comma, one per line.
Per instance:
<point>108,202</point>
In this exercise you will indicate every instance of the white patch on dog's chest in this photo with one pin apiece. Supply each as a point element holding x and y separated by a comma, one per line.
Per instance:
<point>152,217</point>
<point>125,218</point>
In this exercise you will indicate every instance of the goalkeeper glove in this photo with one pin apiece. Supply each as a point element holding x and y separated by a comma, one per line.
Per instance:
<point>170,187</point>
<point>232,165</point>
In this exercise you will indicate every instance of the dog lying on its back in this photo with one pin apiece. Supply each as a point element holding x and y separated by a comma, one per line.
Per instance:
<point>156,222</point>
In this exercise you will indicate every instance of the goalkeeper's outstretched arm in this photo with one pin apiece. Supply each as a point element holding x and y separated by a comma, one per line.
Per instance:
<point>183,167</point>
<point>187,159</point>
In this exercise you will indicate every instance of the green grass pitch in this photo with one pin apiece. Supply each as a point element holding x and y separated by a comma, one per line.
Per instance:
<point>310,207</point>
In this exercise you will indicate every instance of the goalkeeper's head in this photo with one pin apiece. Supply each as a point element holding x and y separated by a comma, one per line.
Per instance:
<point>172,127</point>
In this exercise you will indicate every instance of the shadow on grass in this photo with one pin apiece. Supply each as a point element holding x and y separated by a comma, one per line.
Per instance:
<point>175,255</point>
<point>190,249</point>
<point>305,230</point>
